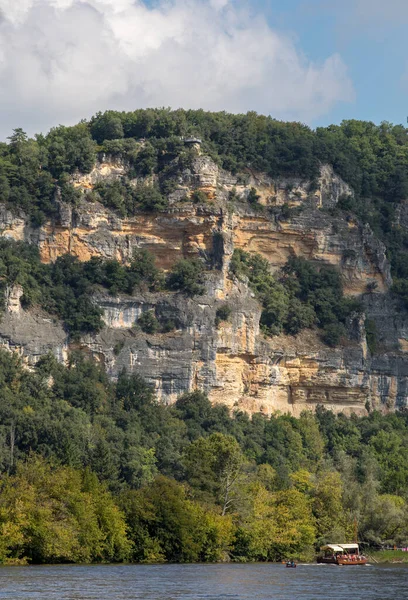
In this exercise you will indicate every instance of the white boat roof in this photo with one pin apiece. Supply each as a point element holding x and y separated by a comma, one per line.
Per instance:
<point>339,547</point>
<point>333,547</point>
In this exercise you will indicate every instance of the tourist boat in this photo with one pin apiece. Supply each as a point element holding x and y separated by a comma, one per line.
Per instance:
<point>341,554</point>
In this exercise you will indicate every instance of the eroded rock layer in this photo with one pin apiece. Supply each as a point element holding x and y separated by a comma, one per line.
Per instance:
<point>233,362</point>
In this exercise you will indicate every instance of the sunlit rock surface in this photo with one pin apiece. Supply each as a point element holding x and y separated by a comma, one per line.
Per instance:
<point>234,363</point>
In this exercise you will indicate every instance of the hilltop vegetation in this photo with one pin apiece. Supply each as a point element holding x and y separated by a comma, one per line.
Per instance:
<point>35,172</point>
<point>372,159</point>
<point>92,470</point>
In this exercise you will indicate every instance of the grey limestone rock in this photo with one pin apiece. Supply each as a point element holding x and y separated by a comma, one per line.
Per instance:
<point>232,361</point>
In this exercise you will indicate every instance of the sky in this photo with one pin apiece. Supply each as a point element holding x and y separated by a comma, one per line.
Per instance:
<point>315,61</point>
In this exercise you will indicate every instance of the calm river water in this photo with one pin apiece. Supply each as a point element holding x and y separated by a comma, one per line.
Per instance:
<point>209,582</point>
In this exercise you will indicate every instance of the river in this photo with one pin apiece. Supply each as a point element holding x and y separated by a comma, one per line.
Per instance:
<point>204,582</point>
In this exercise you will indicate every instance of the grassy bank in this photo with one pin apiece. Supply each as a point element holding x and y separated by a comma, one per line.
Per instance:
<point>388,556</point>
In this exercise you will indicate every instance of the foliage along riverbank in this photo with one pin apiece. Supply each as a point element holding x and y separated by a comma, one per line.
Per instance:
<point>95,471</point>
<point>388,556</point>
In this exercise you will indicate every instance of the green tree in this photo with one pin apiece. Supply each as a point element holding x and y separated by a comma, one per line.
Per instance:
<point>70,149</point>
<point>187,276</point>
<point>51,514</point>
<point>214,465</point>
<point>166,525</point>
<point>106,126</point>
<point>148,322</point>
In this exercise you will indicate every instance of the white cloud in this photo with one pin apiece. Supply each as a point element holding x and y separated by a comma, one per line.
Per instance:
<point>62,60</point>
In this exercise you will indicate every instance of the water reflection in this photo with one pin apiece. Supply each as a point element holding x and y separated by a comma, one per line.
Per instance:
<point>209,582</point>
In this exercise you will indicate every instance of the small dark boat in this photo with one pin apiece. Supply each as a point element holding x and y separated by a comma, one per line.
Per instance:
<point>290,564</point>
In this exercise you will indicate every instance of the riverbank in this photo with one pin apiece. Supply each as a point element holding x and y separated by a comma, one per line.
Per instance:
<point>388,556</point>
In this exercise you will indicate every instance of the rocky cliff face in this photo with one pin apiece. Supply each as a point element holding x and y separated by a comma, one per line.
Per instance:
<point>234,363</point>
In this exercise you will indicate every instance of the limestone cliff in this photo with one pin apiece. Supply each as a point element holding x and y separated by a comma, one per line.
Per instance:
<point>234,363</point>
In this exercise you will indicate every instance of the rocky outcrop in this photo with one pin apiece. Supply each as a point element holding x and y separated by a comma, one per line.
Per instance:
<point>13,299</point>
<point>236,365</point>
<point>316,236</point>
<point>33,334</point>
<point>233,362</point>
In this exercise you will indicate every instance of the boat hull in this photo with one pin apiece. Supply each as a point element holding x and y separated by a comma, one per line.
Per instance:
<point>342,560</point>
<point>324,560</point>
<point>360,560</point>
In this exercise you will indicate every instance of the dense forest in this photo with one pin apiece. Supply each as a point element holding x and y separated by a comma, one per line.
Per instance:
<point>95,470</point>
<point>98,471</point>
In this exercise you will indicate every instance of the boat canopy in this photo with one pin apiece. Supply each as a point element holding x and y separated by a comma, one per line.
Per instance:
<point>339,547</point>
<point>332,547</point>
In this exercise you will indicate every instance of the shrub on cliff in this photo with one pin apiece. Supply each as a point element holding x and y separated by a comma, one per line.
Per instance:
<point>126,150</point>
<point>146,161</point>
<point>127,199</point>
<point>65,288</point>
<point>149,198</point>
<point>69,149</point>
<point>223,313</point>
<point>371,335</point>
<point>300,296</point>
<point>106,126</point>
<point>148,322</point>
<point>187,276</point>
<point>69,295</point>
<point>400,289</point>
<point>199,197</point>
<point>300,315</point>
<point>143,271</point>
<point>332,334</point>
<point>253,198</point>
